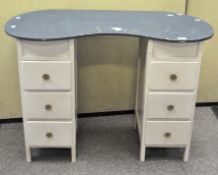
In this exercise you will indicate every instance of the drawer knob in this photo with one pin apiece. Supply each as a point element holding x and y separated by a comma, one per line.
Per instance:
<point>173,77</point>
<point>45,77</point>
<point>170,107</point>
<point>48,107</point>
<point>49,135</point>
<point>167,135</point>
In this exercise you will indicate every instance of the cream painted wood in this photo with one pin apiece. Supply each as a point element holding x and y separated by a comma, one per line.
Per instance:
<point>175,50</point>
<point>175,59</point>
<point>49,134</point>
<point>73,49</point>
<point>161,75</point>
<point>142,90</point>
<point>47,105</point>
<point>19,55</point>
<point>167,133</point>
<point>59,75</point>
<point>55,76</point>
<point>170,105</point>
<point>46,51</point>
<point>59,90</point>
<point>157,89</point>
<point>140,86</point>
<point>187,147</point>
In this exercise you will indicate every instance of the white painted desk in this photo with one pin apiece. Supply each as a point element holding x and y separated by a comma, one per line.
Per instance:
<point>168,71</point>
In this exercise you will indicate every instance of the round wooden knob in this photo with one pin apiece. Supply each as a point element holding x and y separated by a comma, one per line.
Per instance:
<point>173,77</point>
<point>167,135</point>
<point>48,107</point>
<point>170,107</point>
<point>45,77</point>
<point>49,135</point>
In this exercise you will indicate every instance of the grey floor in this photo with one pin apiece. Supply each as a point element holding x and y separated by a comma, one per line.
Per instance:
<point>110,146</point>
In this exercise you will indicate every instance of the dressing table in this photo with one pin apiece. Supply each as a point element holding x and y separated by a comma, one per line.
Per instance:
<point>169,59</point>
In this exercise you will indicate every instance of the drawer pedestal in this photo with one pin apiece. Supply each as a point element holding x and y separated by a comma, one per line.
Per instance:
<point>167,82</point>
<point>47,71</point>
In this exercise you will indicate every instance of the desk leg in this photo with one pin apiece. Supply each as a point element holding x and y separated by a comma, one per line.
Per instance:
<point>142,152</point>
<point>28,153</point>
<point>73,149</point>
<point>74,98</point>
<point>186,153</point>
<point>141,95</point>
<point>137,95</point>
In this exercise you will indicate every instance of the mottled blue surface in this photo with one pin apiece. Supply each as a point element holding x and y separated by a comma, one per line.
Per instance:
<point>63,24</point>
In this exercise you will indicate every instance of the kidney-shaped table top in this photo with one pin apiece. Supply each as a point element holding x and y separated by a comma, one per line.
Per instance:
<point>64,24</point>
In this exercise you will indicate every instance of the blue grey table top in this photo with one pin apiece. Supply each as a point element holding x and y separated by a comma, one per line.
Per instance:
<point>64,24</point>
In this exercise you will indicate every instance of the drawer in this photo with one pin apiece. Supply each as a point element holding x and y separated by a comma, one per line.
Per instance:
<point>45,106</point>
<point>170,105</point>
<point>167,133</point>
<point>45,75</point>
<point>179,50</point>
<point>173,76</point>
<point>45,50</point>
<point>49,134</point>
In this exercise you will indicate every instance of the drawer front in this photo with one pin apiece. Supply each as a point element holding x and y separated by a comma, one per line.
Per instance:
<point>163,133</point>
<point>173,76</point>
<point>47,106</point>
<point>45,75</point>
<point>170,105</point>
<point>49,134</point>
<point>177,50</point>
<point>45,50</point>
